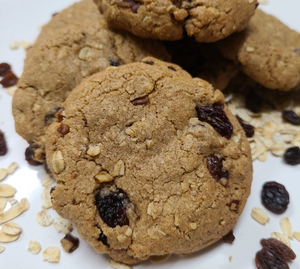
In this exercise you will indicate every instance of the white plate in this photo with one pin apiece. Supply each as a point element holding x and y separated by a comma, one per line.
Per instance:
<point>20,20</point>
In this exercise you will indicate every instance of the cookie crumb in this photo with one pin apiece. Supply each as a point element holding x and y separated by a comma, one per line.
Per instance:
<point>69,243</point>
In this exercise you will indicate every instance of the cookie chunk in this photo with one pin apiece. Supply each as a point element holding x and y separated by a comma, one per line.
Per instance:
<point>207,21</point>
<point>148,161</point>
<point>267,51</point>
<point>74,45</point>
<point>202,60</point>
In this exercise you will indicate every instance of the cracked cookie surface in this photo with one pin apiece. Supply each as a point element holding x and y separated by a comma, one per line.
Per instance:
<point>152,162</point>
<point>267,51</point>
<point>207,21</point>
<point>75,44</point>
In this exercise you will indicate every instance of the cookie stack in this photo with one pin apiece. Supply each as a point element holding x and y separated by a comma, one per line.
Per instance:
<point>148,160</point>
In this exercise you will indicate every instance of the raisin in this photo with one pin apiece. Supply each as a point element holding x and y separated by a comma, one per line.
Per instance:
<point>172,68</point>
<point>275,246</point>
<point>229,238</point>
<point>3,146</point>
<point>234,205</point>
<point>268,260</point>
<point>275,197</point>
<point>59,114</point>
<point>114,63</point>
<point>253,101</point>
<point>291,117</point>
<point>140,101</point>
<point>9,80</point>
<point>50,116</point>
<point>292,156</point>
<point>248,128</point>
<point>148,62</point>
<point>297,51</point>
<point>4,69</point>
<point>63,129</point>
<point>216,117</point>
<point>29,156</point>
<point>215,166</point>
<point>103,238</point>
<point>112,207</point>
<point>134,5</point>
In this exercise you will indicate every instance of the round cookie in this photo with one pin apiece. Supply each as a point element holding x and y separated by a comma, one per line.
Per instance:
<point>207,21</point>
<point>267,51</point>
<point>148,161</point>
<point>74,45</point>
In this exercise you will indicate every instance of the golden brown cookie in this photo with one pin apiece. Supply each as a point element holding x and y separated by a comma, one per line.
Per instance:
<point>74,45</point>
<point>267,51</point>
<point>207,21</point>
<point>148,161</point>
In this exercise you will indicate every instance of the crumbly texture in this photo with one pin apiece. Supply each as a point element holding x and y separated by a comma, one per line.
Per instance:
<point>135,128</point>
<point>267,51</point>
<point>202,60</point>
<point>74,45</point>
<point>207,21</point>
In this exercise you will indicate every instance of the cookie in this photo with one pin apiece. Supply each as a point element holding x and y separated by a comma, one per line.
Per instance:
<point>74,45</point>
<point>202,60</point>
<point>267,51</point>
<point>148,161</point>
<point>207,21</point>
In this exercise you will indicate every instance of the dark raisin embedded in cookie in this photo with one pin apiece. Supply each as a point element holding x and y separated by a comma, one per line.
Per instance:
<point>114,62</point>
<point>103,238</point>
<point>29,156</point>
<point>297,51</point>
<point>217,118</point>
<point>51,115</point>
<point>63,129</point>
<point>134,5</point>
<point>140,101</point>
<point>112,207</point>
<point>215,167</point>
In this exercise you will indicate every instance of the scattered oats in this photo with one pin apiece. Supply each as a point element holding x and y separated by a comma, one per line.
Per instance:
<point>297,235</point>
<point>47,181</point>
<point>46,197</point>
<point>263,2</point>
<point>282,238</point>
<point>158,259</point>
<point>6,238</point>
<point>11,90</point>
<point>2,249</point>
<point>3,173</point>
<point>51,254</point>
<point>12,168</point>
<point>250,49</point>
<point>286,227</point>
<point>263,157</point>
<point>11,228</point>
<point>103,177</point>
<point>14,45</point>
<point>24,203</point>
<point>260,215</point>
<point>14,211</point>
<point>69,243</point>
<point>62,225</point>
<point>43,218</point>
<point>117,265</point>
<point>7,190</point>
<point>58,162</point>
<point>3,202</point>
<point>230,258</point>
<point>26,45</point>
<point>34,247</point>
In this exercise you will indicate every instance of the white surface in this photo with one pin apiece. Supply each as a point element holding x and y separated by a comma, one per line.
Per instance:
<point>20,21</point>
